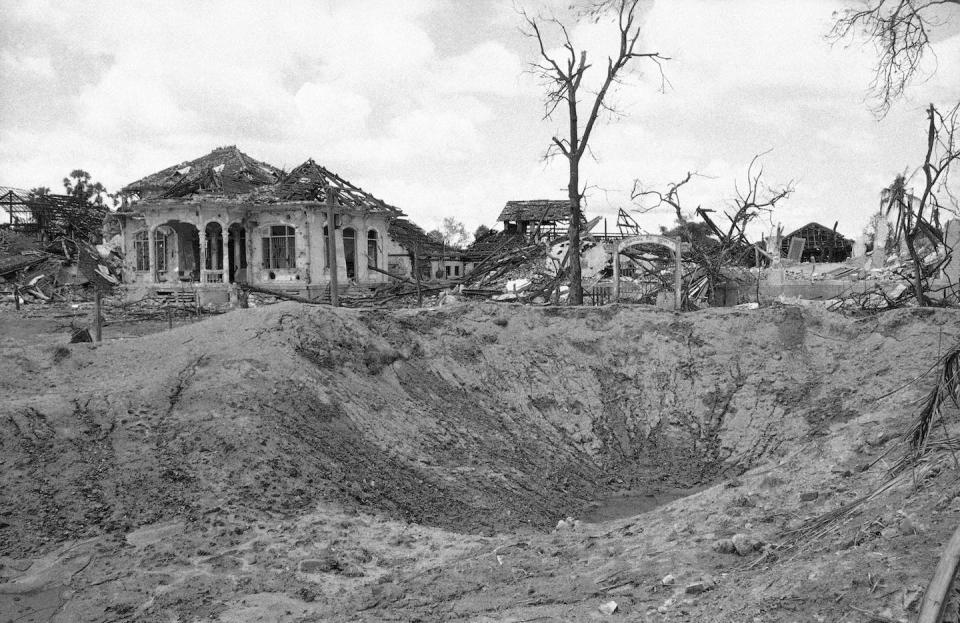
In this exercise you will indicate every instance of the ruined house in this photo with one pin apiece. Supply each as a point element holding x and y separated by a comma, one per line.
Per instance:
<point>226,218</point>
<point>819,243</point>
<point>434,260</point>
<point>49,216</point>
<point>537,218</point>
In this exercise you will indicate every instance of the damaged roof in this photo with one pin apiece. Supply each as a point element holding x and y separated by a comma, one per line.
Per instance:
<point>811,229</point>
<point>308,182</point>
<point>494,242</point>
<point>536,210</point>
<point>8,193</point>
<point>225,170</point>
<point>412,237</point>
<point>228,172</point>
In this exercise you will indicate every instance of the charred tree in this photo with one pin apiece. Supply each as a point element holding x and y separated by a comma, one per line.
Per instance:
<point>563,74</point>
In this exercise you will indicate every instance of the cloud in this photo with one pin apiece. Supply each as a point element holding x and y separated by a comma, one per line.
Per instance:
<point>330,112</point>
<point>39,67</point>
<point>427,104</point>
<point>487,68</point>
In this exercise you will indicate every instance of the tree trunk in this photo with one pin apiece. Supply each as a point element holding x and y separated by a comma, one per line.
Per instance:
<point>575,297</point>
<point>917,271</point>
<point>573,232</point>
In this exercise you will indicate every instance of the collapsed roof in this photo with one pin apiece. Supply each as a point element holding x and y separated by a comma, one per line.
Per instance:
<point>228,172</point>
<point>412,237</point>
<point>47,216</point>
<point>309,181</point>
<point>225,170</point>
<point>494,242</point>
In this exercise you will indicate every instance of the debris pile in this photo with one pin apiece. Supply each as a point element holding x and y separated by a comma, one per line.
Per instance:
<point>514,268</point>
<point>891,283</point>
<point>62,269</point>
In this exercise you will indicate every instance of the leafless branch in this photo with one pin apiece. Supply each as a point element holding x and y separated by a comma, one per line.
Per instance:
<point>669,197</point>
<point>755,198</point>
<point>900,30</point>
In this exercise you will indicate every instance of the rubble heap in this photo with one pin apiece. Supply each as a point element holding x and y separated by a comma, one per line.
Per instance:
<point>61,269</point>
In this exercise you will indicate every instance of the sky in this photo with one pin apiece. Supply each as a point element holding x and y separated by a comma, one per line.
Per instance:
<point>430,104</point>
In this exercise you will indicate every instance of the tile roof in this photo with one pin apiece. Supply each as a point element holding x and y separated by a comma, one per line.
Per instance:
<point>308,182</point>
<point>225,170</point>
<point>228,172</point>
<point>412,237</point>
<point>536,210</point>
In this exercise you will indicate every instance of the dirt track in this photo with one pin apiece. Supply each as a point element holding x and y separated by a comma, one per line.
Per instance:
<point>192,472</point>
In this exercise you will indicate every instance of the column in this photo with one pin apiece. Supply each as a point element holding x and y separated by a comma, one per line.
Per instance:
<point>203,256</point>
<point>224,243</point>
<point>152,249</point>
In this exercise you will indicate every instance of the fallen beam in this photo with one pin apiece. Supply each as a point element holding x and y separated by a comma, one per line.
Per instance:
<point>389,274</point>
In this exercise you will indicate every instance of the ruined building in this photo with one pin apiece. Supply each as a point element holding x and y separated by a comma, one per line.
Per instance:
<point>816,242</point>
<point>536,218</point>
<point>227,218</point>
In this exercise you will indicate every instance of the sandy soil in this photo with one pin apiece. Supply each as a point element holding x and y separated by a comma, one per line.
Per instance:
<point>296,463</point>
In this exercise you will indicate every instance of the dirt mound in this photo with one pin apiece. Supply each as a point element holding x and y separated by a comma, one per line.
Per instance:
<point>471,418</point>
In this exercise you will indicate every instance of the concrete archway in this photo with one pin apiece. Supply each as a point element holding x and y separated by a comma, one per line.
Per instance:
<point>633,241</point>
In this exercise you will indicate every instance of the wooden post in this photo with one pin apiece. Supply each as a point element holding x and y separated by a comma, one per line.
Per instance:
<point>169,317</point>
<point>616,271</point>
<point>937,595</point>
<point>332,246</point>
<point>678,278</point>
<point>97,320</point>
<point>16,296</point>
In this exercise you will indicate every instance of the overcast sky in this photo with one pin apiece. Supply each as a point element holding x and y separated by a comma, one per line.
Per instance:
<point>427,104</point>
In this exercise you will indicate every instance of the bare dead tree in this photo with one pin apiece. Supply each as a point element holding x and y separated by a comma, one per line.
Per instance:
<point>562,75</point>
<point>918,217</point>
<point>715,246</point>
<point>669,197</point>
<point>755,199</point>
<point>900,30</point>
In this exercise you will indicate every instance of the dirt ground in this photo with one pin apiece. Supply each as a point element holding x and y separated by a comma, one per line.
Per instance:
<point>299,463</point>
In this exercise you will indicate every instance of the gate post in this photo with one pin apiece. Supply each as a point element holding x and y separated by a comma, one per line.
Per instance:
<point>678,277</point>
<point>616,271</point>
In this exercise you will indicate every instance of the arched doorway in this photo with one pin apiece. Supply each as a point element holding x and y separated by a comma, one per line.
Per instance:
<point>633,241</point>
<point>177,252</point>
<point>350,252</point>
<point>213,247</point>
<point>237,253</point>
